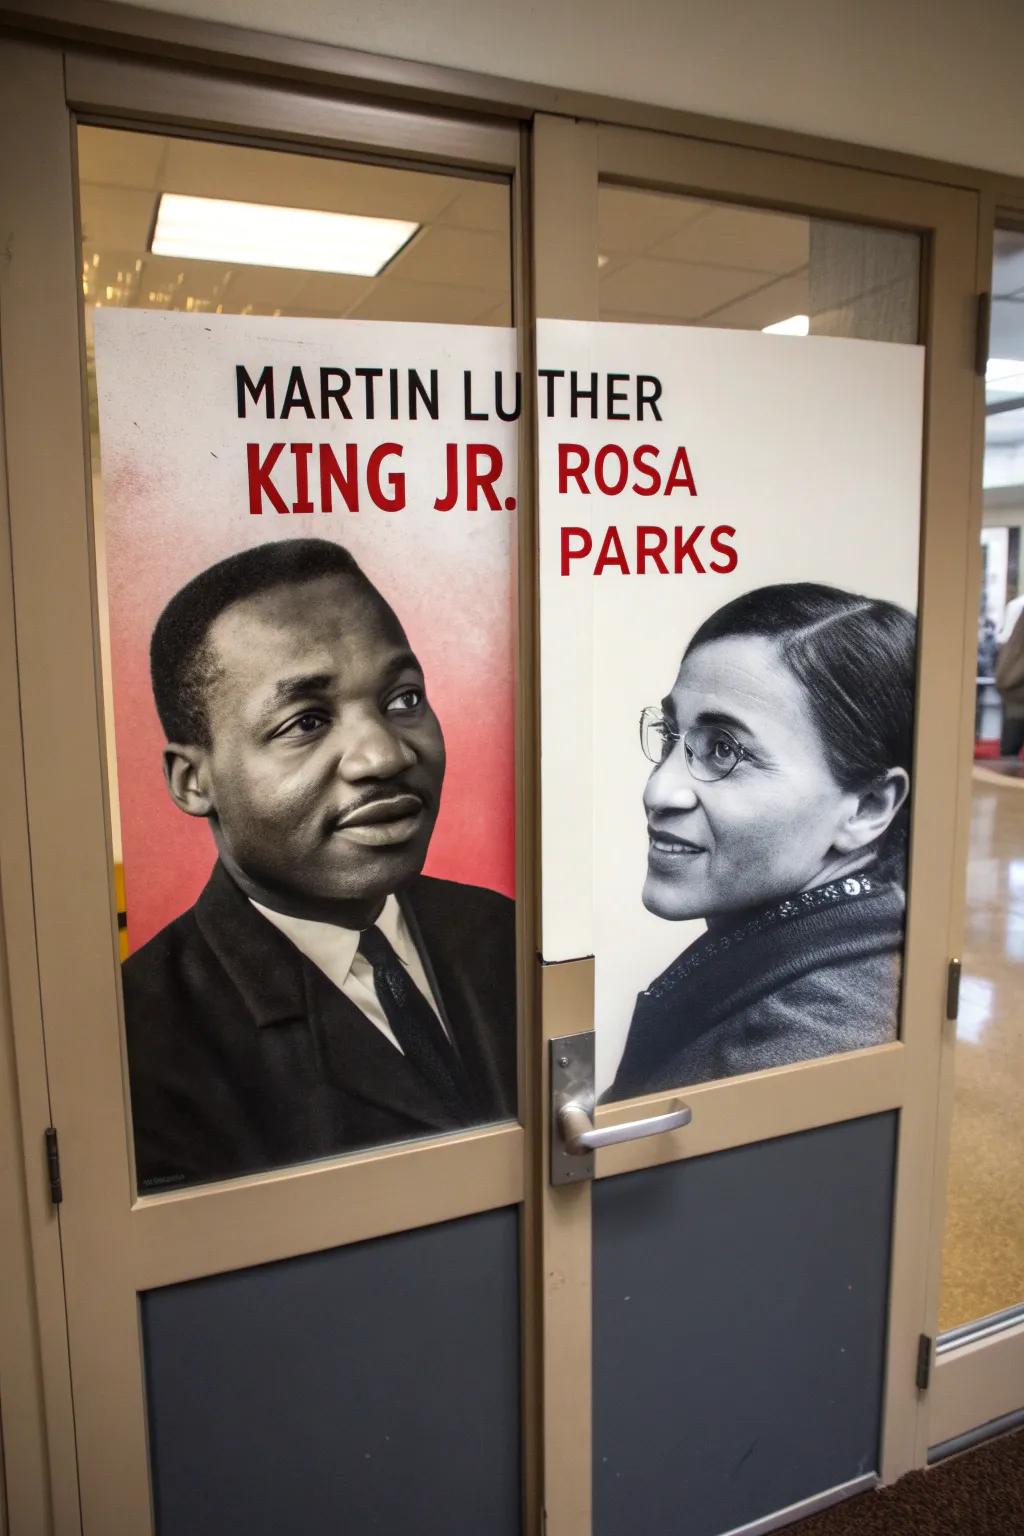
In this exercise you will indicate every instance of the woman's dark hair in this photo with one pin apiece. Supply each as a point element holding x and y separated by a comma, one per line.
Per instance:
<point>855,657</point>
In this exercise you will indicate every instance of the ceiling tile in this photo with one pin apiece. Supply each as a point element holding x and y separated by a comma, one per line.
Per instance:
<point>120,217</point>
<point>326,293</point>
<point>500,314</point>
<point>114,158</point>
<point>632,221</point>
<point>440,303</point>
<point>302,181</point>
<point>272,287</point>
<point>454,256</point>
<point>774,302</point>
<point>165,283</point>
<point>741,237</point>
<point>669,290</point>
<point>482,205</point>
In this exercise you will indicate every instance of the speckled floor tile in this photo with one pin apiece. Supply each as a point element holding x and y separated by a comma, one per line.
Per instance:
<point>983,1252</point>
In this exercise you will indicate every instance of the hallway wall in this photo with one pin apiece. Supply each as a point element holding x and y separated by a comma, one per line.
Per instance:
<point>931,77</point>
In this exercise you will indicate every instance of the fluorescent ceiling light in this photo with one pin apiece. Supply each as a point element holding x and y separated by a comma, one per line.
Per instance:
<point>796,325</point>
<point>255,234</point>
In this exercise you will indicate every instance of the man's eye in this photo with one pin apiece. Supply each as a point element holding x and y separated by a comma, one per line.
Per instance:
<point>303,725</point>
<point>402,703</point>
<point>724,749</point>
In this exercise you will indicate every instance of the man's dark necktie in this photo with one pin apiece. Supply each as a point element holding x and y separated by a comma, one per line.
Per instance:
<point>414,1023</point>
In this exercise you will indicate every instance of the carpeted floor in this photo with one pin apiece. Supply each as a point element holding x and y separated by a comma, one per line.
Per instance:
<point>979,1493</point>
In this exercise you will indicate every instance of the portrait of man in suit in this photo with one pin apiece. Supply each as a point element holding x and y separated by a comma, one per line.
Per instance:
<point>322,994</point>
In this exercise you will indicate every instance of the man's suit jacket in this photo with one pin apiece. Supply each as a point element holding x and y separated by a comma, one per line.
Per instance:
<point>244,1056</point>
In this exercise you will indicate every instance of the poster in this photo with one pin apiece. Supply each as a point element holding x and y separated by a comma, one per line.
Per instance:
<point>309,535</point>
<point>756,497</point>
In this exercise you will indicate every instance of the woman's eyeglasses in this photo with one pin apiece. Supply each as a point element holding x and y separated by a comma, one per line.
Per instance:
<point>711,751</point>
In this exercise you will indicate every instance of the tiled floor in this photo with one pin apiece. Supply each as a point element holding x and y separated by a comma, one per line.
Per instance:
<point>983,1255</point>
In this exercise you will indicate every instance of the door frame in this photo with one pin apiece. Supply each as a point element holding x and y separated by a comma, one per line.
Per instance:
<point>554,1268</point>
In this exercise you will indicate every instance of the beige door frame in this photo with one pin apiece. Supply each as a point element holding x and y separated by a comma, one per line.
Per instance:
<point>789,170</point>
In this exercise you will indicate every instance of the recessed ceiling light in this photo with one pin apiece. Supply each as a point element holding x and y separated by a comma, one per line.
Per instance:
<point>796,325</point>
<point>258,235</point>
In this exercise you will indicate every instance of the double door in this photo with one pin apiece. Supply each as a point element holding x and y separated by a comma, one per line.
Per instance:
<point>446,1318</point>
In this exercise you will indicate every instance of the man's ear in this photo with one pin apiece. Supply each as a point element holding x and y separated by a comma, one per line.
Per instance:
<point>186,779</point>
<point>873,811</point>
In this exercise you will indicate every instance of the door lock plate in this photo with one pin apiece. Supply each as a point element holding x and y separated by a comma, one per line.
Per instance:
<point>572,1078</point>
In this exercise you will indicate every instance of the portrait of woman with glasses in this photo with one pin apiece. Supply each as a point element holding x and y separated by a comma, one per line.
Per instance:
<point>777,810</point>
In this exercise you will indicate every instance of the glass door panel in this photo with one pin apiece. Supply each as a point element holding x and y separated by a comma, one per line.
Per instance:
<point>668,259</point>
<point>181,227</point>
<point>684,260</point>
<point>983,1245</point>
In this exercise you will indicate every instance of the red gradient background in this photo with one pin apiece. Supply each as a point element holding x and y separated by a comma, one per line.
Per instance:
<point>167,515</point>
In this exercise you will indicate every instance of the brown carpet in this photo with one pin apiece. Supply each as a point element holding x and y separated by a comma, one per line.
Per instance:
<point>979,1493</point>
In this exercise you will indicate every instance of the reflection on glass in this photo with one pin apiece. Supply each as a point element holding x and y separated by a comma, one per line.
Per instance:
<point>317,992</point>
<point>671,260</point>
<point>983,1253</point>
<point>977,995</point>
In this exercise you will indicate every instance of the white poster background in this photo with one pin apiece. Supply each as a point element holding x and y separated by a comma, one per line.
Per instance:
<point>167,403</point>
<point>810,448</point>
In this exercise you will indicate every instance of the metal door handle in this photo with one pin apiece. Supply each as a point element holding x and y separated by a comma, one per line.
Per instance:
<point>579,1134</point>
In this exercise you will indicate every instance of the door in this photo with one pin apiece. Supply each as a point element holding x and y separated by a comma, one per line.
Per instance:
<point>759,1274</point>
<point>239,1284</point>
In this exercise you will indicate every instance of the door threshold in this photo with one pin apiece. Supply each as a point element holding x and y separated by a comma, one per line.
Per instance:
<point>805,1507</point>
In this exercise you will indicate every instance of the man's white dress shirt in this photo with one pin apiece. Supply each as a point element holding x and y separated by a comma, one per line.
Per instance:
<point>334,950</point>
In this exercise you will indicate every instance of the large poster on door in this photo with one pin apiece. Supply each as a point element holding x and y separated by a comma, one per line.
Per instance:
<point>729,568</point>
<point>309,534</point>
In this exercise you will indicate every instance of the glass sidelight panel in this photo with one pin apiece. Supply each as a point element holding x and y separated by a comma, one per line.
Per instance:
<point>983,1252</point>
<point>305,573</point>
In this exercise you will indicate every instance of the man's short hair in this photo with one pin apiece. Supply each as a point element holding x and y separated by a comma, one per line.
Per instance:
<point>181,662</point>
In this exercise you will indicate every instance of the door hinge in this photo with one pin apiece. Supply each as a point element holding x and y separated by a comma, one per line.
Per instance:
<point>922,1376</point>
<point>53,1166</point>
<point>953,989</point>
<point>983,323</point>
